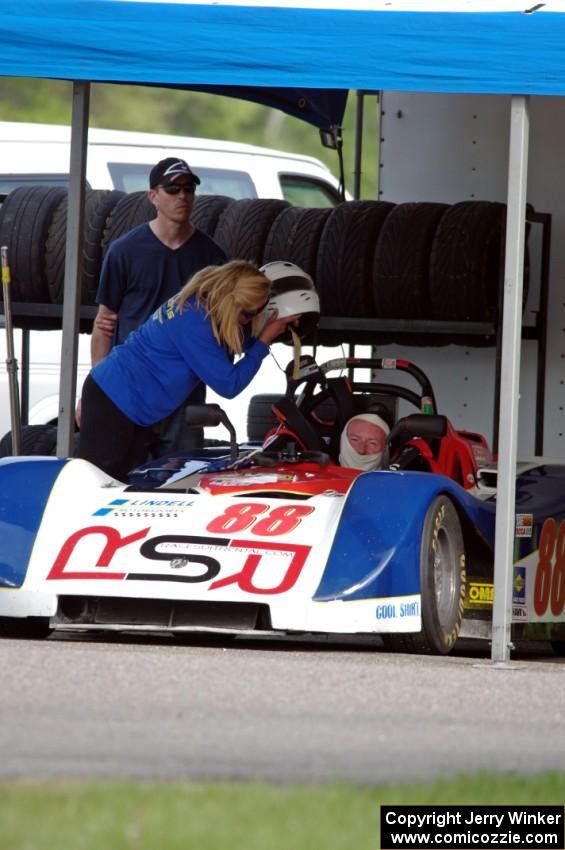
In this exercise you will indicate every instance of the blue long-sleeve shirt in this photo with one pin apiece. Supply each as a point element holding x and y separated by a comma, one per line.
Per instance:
<point>159,364</point>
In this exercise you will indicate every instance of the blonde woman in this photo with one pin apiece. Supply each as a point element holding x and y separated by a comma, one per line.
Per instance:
<point>192,337</point>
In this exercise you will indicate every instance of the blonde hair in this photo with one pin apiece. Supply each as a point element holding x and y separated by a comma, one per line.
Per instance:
<point>225,291</point>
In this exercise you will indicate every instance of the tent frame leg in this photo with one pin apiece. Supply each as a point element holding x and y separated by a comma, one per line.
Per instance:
<point>510,378</point>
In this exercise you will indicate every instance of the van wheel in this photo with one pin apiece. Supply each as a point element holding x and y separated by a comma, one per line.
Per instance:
<point>36,440</point>
<point>402,261</point>
<point>133,209</point>
<point>344,272</point>
<point>295,236</point>
<point>98,204</point>
<point>244,226</point>
<point>207,210</point>
<point>25,217</point>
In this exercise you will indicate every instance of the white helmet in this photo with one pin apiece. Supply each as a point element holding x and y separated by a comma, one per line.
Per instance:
<point>292,292</point>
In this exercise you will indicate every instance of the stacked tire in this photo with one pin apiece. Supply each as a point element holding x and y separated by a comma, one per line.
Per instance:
<point>409,261</point>
<point>33,226</point>
<point>368,259</point>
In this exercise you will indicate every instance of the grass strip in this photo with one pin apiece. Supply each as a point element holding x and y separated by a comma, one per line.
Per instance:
<point>126,816</point>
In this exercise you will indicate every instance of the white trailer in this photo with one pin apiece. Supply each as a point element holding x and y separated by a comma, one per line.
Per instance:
<point>453,148</point>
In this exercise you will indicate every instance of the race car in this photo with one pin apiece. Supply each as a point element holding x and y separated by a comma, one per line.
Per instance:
<point>276,538</point>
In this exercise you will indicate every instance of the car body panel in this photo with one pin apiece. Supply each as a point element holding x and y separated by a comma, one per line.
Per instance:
<point>279,538</point>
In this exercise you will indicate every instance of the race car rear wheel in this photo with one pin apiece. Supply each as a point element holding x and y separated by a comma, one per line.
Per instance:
<point>442,582</point>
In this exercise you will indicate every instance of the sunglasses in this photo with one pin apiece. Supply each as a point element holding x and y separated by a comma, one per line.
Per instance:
<point>251,314</point>
<point>173,189</point>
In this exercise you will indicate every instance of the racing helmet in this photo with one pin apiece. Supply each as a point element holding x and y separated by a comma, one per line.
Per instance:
<point>292,292</point>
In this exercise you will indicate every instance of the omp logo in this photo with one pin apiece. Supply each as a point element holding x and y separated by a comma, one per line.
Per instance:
<point>480,594</point>
<point>144,507</point>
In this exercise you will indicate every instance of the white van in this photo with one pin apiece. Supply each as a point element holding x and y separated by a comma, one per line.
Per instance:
<point>40,153</point>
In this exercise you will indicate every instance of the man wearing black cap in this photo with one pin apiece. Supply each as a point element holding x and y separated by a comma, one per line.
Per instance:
<point>148,265</point>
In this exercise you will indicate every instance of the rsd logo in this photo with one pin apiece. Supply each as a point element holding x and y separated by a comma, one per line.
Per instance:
<point>110,542</point>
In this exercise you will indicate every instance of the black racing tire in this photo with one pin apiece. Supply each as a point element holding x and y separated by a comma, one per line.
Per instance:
<point>207,210</point>
<point>28,628</point>
<point>133,209</point>
<point>558,647</point>
<point>344,270</point>
<point>98,204</point>
<point>36,440</point>
<point>25,217</point>
<point>295,237</point>
<point>443,583</point>
<point>466,262</point>
<point>260,416</point>
<point>244,226</point>
<point>101,205</point>
<point>402,261</point>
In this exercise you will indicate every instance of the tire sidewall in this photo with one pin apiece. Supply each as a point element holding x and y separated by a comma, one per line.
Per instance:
<point>441,525</point>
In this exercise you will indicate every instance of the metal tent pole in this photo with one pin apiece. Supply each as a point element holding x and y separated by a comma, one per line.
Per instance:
<point>73,269</point>
<point>11,362</point>
<point>510,378</point>
<point>358,144</point>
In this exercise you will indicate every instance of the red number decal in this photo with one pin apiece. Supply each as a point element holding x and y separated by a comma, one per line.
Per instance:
<point>236,518</point>
<point>542,585</point>
<point>558,578</point>
<point>281,520</point>
<point>239,517</point>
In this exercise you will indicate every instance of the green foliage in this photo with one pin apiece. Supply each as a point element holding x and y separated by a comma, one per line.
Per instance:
<point>186,113</point>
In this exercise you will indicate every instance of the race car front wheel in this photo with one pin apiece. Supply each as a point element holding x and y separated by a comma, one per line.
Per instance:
<point>442,582</point>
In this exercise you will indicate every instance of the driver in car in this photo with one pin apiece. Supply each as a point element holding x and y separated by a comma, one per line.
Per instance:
<point>362,442</point>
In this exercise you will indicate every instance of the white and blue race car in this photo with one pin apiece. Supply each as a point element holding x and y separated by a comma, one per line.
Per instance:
<point>278,538</point>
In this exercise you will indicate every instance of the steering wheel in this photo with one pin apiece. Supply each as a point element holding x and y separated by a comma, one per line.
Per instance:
<point>316,388</point>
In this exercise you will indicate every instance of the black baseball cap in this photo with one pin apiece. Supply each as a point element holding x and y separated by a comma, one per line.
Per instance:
<point>167,170</point>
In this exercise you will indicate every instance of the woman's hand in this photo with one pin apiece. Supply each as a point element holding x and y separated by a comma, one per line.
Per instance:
<point>275,327</point>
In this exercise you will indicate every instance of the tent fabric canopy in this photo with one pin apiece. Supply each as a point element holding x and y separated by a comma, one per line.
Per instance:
<point>397,46</point>
<point>320,107</point>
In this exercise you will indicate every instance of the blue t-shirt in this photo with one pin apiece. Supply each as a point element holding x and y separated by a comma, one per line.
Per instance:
<point>139,273</point>
<point>157,367</point>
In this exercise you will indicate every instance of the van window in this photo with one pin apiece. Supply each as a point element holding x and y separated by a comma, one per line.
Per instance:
<point>305,192</point>
<point>132,177</point>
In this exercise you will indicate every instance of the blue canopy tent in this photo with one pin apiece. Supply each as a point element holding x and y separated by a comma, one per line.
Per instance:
<point>320,49</point>
<point>497,47</point>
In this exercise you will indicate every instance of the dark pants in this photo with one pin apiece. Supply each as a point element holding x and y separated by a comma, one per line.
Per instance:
<point>172,436</point>
<point>108,438</point>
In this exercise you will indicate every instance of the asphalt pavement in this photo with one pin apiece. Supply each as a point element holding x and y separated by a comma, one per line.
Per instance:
<point>161,709</point>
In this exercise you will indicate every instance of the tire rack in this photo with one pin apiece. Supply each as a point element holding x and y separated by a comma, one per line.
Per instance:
<point>485,334</point>
<point>31,316</point>
<point>39,317</point>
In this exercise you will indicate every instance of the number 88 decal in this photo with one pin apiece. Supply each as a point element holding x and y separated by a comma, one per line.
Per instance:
<point>241,517</point>
<point>549,586</point>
